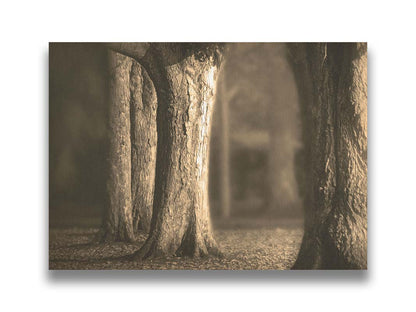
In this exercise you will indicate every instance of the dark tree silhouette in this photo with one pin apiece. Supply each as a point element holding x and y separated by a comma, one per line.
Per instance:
<point>332,84</point>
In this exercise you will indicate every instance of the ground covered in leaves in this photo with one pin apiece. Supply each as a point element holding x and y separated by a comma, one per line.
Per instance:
<point>246,244</point>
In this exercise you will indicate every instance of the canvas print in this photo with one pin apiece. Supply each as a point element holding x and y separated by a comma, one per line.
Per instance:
<point>208,156</point>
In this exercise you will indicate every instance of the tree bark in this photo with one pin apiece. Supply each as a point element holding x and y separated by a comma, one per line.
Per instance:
<point>347,225</point>
<point>332,84</point>
<point>184,76</point>
<point>143,146</point>
<point>119,222</point>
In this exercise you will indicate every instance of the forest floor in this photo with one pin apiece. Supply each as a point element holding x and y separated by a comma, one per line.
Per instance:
<point>246,244</point>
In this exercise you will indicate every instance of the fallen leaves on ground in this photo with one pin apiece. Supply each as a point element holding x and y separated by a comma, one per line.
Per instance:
<point>264,246</point>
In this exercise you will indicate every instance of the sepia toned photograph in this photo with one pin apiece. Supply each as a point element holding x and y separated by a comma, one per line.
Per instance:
<point>212,156</point>
<point>208,156</point>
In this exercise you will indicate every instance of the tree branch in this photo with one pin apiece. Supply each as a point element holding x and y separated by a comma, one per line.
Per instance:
<point>135,50</point>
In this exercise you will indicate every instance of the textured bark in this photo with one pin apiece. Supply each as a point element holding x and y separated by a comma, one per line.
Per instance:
<point>348,231</point>
<point>118,224</point>
<point>143,146</point>
<point>332,85</point>
<point>184,76</point>
<point>132,158</point>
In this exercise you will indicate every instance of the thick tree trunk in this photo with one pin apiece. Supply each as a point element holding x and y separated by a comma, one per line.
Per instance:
<point>119,223</point>
<point>332,84</point>
<point>184,76</point>
<point>143,146</point>
<point>347,225</point>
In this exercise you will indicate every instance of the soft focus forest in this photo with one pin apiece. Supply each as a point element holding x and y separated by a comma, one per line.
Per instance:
<point>208,156</point>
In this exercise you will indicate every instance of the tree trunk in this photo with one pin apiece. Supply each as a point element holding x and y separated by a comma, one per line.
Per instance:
<point>119,222</point>
<point>224,159</point>
<point>143,146</point>
<point>184,76</point>
<point>347,225</point>
<point>332,85</point>
<point>132,149</point>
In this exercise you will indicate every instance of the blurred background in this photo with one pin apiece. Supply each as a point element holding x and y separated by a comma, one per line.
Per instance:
<point>255,135</point>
